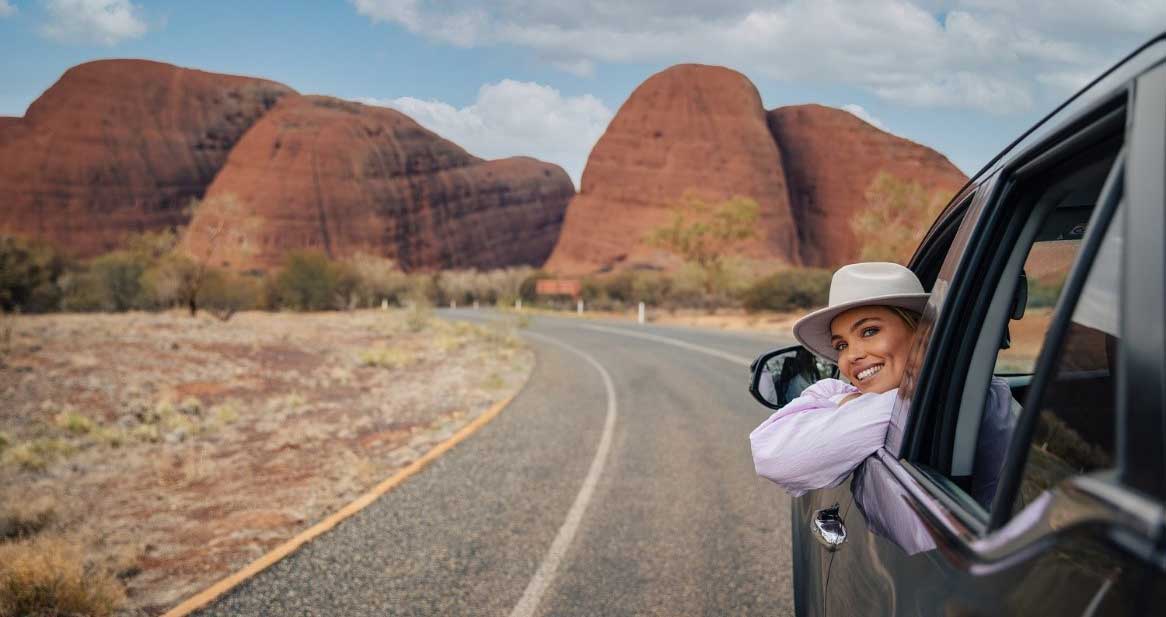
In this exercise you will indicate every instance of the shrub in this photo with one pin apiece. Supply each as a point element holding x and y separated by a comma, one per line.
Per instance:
<point>224,293</point>
<point>789,289</point>
<point>309,281</point>
<point>117,277</point>
<point>173,280</point>
<point>49,577</point>
<point>379,279</point>
<point>897,214</point>
<point>28,276</point>
<point>23,518</point>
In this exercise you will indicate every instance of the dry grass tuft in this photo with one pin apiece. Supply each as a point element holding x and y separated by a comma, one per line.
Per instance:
<point>48,577</point>
<point>37,454</point>
<point>386,357</point>
<point>21,518</point>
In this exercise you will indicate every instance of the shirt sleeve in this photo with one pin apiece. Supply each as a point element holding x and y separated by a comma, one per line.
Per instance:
<point>812,443</point>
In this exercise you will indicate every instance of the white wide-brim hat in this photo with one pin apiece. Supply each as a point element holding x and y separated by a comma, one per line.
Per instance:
<point>863,284</point>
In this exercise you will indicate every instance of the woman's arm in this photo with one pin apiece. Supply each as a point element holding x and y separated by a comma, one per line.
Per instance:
<point>812,443</point>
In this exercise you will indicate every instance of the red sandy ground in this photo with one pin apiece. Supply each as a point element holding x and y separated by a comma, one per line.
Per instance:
<point>212,442</point>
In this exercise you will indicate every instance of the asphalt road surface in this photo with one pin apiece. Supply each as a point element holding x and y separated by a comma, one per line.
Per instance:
<point>618,482</point>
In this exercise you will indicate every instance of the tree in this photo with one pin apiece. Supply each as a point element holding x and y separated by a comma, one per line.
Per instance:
<point>29,271</point>
<point>897,214</point>
<point>702,233</point>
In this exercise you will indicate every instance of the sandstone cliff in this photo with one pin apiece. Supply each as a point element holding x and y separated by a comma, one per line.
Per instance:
<point>688,128</point>
<point>119,146</point>
<point>346,178</point>
<point>831,157</point>
<point>704,128</point>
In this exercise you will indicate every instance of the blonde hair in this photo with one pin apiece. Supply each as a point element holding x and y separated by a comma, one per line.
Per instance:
<point>907,315</point>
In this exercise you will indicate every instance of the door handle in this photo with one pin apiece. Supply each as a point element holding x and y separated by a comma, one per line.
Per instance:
<point>827,528</point>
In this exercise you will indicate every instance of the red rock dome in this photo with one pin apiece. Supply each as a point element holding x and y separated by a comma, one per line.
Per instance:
<point>120,146</point>
<point>688,128</point>
<point>345,178</point>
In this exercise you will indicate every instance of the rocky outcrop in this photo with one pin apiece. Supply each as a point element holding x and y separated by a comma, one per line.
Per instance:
<point>346,178</point>
<point>688,128</point>
<point>703,128</point>
<point>121,146</point>
<point>831,158</point>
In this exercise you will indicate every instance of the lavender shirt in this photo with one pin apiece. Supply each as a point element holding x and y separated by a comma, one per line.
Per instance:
<point>814,442</point>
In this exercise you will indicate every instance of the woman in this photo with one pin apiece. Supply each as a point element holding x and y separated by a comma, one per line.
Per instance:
<point>868,329</point>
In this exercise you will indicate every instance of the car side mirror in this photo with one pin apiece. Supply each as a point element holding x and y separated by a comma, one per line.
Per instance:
<point>780,376</point>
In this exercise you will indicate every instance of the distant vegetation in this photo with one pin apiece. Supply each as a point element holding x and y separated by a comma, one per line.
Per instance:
<point>897,215</point>
<point>151,274</point>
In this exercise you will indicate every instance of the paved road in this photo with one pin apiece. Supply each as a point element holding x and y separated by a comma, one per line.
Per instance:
<point>618,482</point>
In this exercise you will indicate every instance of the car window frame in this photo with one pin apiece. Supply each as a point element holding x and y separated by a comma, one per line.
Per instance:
<point>1047,362</point>
<point>963,306</point>
<point>1141,431</point>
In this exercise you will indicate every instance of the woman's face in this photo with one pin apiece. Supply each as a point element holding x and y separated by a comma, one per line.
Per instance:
<point>872,344</point>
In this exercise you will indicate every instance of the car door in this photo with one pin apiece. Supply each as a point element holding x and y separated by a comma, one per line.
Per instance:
<point>1050,503</point>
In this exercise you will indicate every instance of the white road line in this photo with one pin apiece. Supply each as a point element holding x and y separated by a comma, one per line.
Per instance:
<point>671,341</point>
<point>546,571</point>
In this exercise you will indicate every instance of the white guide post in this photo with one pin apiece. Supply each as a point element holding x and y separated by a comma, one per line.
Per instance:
<point>641,318</point>
<point>579,307</point>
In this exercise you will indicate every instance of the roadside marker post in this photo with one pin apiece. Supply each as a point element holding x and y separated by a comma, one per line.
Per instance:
<point>475,305</point>
<point>518,304</point>
<point>453,304</point>
<point>384,304</point>
<point>641,317</point>
<point>579,307</point>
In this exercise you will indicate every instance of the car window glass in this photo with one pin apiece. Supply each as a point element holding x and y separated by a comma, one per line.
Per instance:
<point>1044,273</point>
<point>1051,215</point>
<point>1075,428</point>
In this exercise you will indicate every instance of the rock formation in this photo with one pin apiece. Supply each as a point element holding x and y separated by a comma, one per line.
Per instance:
<point>688,128</point>
<point>703,128</point>
<point>346,178</point>
<point>831,157</point>
<point>120,146</point>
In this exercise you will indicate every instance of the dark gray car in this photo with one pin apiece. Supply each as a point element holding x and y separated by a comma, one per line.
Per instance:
<point>1048,270</point>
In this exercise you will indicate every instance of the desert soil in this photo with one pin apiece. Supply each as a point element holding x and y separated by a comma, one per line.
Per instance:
<point>178,449</point>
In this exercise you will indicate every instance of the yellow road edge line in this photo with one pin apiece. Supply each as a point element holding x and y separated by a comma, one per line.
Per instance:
<point>222,586</point>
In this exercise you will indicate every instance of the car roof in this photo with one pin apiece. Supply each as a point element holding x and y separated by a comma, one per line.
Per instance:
<point>1102,88</point>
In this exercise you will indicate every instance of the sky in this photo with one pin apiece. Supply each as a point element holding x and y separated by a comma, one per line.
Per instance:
<point>542,78</point>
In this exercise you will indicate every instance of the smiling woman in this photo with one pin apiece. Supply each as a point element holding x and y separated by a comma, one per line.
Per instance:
<point>818,438</point>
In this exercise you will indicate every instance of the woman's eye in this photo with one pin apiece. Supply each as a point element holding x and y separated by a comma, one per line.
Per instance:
<point>871,331</point>
<point>839,346</point>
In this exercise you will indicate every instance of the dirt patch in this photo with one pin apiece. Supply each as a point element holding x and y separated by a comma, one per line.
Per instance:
<point>179,449</point>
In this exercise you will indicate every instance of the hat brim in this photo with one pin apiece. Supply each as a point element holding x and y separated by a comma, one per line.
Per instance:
<point>813,330</point>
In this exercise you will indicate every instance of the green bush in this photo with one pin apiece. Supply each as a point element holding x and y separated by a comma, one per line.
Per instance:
<point>788,290</point>
<point>118,280</point>
<point>29,272</point>
<point>224,293</point>
<point>309,281</point>
<point>172,280</point>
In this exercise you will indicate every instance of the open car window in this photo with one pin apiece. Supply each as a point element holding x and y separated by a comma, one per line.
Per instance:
<point>1011,293</point>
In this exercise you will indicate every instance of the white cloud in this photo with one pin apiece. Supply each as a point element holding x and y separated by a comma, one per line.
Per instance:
<point>512,118</point>
<point>862,114</point>
<point>6,9</point>
<point>993,55</point>
<point>104,22</point>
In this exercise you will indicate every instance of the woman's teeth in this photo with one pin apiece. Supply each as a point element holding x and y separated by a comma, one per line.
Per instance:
<point>869,372</point>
